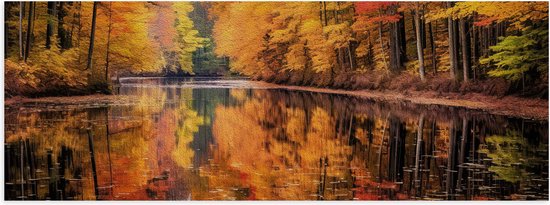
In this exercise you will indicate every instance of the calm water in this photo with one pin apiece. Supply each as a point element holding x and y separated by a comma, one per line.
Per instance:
<point>208,139</point>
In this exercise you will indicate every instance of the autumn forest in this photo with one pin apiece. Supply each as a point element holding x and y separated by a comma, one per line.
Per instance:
<point>181,100</point>
<point>495,48</point>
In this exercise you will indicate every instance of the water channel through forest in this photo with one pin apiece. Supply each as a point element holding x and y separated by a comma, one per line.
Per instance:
<point>231,139</point>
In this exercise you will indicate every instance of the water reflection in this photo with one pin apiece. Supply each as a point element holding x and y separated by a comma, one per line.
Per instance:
<point>231,142</point>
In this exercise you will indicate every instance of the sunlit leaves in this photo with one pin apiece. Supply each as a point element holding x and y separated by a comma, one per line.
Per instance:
<point>515,55</point>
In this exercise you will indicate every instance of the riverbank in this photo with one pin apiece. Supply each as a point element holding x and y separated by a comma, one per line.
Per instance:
<point>22,79</point>
<point>529,108</point>
<point>508,105</point>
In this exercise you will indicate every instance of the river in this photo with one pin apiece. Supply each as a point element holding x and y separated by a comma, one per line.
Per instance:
<point>232,139</point>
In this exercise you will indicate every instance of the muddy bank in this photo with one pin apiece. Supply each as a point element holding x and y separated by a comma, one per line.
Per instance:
<point>508,105</point>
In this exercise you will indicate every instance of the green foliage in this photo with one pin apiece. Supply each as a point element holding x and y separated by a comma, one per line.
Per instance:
<point>511,155</point>
<point>205,62</point>
<point>515,55</point>
<point>187,38</point>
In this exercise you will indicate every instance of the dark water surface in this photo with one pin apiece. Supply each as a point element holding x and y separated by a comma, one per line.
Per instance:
<point>226,139</point>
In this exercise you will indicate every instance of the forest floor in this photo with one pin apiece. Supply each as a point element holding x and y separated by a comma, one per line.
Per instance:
<point>530,108</point>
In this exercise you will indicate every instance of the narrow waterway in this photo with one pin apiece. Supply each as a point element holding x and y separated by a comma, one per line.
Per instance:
<point>227,139</point>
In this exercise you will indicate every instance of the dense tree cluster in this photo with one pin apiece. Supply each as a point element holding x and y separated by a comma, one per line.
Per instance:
<point>60,45</point>
<point>324,43</point>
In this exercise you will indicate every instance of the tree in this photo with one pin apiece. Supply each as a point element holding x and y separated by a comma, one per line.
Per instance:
<point>62,34</point>
<point>453,52</point>
<point>515,56</point>
<point>465,48</point>
<point>49,25</point>
<point>20,30</point>
<point>432,43</point>
<point>419,43</point>
<point>92,35</point>
<point>398,44</point>
<point>376,13</point>
<point>110,27</point>
<point>30,18</point>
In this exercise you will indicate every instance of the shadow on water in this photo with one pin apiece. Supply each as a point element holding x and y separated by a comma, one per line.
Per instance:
<point>205,139</point>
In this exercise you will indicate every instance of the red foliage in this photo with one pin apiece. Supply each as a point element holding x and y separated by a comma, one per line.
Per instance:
<point>485,21</point>
<point>367,7</point>
<point>363,8</point>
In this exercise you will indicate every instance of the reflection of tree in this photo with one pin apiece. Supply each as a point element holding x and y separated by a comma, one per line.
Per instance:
<point>511,155</point>
<point>271,145</point>
<point>188,123</point>
<point>36,136</point>
<point>52,132</point>
<point>140,137</point>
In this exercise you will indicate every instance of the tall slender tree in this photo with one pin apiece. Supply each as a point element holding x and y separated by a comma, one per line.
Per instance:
<point>432,43</point>
<point>49,25</point>
<point>20,30</point>
<point>92,35</point>
<point>465,48</point>
<point>453,56</point>
<point>419,43</point>
<point>29,30</point>
<point>110,26</point>
<point>397,40</point>
<point>62,34</point>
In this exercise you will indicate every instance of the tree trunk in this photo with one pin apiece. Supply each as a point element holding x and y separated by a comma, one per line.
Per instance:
<point>62,34</point>
<point>342,59</point>
<point>325,12</point>
<point>402,38</point>
<point>20,30</point>
<point>335,14</point>
<point>92,35</point>
<point>419,44</point>
<point>78,35</point>
<point>351,57</point>
<point>79,26</point>
<point>434,54</point>
<point>382,43</point>
<point>49,24</point>
<point>321,12</point>
<point>110,26</point>
<point>7,11</point>
<point>465,48</point>
<point>29,31</point>
<point>394,48</point>
<point>475,48</point>
<point>397,43</point>
<point>73,22</point>
<point>452,47</point>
